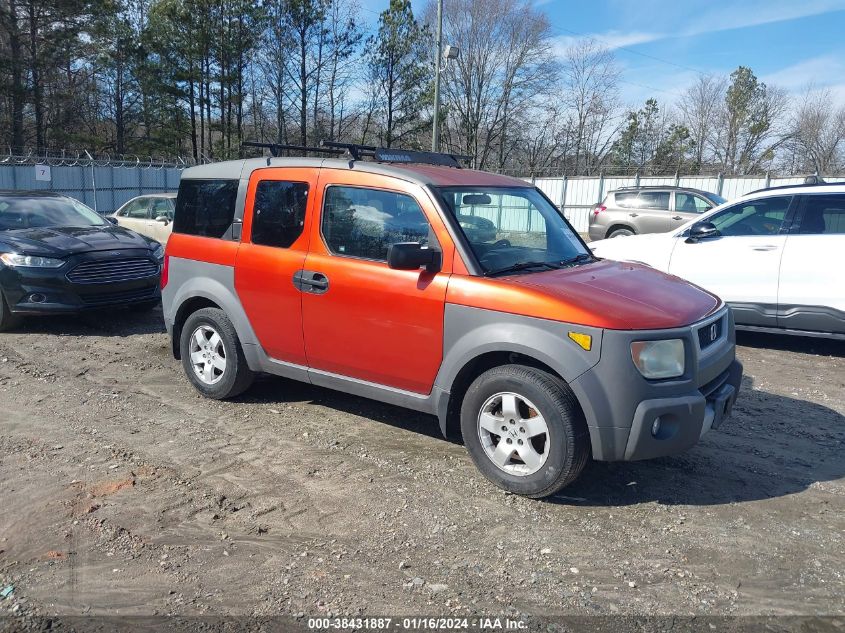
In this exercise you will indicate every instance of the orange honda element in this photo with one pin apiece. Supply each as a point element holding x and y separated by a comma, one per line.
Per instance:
<point>399,276</point>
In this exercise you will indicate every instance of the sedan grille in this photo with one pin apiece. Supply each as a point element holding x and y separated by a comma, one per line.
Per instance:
<point>113,271</point>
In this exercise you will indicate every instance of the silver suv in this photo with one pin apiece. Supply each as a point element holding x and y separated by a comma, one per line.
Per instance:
<point>634,210</point>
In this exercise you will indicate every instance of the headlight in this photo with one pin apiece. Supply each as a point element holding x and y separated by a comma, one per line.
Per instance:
<point>158,252</point>
<point>30,261</point>
<point>659,359</point>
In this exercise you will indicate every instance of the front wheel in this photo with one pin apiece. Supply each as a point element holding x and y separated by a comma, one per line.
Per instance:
<point>212,355</point>
<point>524,430</point>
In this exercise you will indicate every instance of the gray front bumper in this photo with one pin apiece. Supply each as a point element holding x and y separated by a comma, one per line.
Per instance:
<point>621,406</point>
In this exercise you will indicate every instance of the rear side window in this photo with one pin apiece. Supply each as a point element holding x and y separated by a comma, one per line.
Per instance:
<point>653,200</point>
<point>360,222</point>
<point>625,199</point>
<point>278,214</point>
<point>823,215</point>
<point>205,207</point>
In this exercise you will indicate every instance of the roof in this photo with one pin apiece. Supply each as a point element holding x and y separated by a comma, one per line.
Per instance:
<point>827,187</point>
<point>417,173</point>
<point>31,193</point>
<point>665,188</point>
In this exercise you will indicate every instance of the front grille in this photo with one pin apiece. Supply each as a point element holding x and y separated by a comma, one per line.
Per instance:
<point>710,333</point>
<point>119,297</point>
<point>113,271</point>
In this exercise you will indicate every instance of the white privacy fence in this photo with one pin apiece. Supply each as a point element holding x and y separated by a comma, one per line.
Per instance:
<point>576,196</point>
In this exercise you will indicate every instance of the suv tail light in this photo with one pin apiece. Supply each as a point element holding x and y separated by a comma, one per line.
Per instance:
<point>599,209</point>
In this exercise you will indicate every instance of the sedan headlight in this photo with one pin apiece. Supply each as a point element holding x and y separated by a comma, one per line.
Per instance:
<point>158,253</point>
<point>30,261</point>
<point>659,359</point>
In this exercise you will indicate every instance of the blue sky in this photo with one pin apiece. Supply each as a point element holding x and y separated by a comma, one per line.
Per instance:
<point>661,45</point>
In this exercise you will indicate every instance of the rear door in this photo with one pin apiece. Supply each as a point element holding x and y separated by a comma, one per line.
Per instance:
<point>650,212</point>
<point>274,243</point>
<point>811,295</point>
<point>688,206</point>
<point>742,264</point>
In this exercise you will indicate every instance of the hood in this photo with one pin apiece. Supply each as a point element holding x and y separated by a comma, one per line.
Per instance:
<point>603,294</point>
<point>625,296</point>
<point>61,241</point>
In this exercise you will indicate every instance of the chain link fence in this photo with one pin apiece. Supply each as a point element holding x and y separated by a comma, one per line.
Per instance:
<point>104,182</point>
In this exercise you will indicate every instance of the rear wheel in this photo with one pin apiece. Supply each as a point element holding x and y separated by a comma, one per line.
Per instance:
<point>621,232</point>
<point>8,320</point>
<point>212,355</point>
<point>524,430</point>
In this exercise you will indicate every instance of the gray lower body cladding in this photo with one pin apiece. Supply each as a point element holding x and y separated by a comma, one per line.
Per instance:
<point>619,405</point>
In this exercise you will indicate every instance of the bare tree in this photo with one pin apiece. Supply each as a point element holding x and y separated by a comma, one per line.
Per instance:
<point>506,60</point>
<point>591,92</point>
<point>700,107</point>
<point>818,131</point>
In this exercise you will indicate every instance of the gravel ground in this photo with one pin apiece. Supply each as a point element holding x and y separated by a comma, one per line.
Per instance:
<point>125,493</point>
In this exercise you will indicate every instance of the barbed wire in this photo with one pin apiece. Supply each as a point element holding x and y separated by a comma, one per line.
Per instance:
<point>84,158</point>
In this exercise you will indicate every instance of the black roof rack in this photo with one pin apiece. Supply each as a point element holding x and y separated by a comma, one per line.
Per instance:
<point>359,152</point>
<point>398,155</point>
<point>276,149</point>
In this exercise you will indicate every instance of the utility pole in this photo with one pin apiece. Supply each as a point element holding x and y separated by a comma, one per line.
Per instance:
<point>438,62</point>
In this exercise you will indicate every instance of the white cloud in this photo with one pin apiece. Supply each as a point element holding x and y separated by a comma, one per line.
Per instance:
<point>822,71</point>
<point>735,16</point>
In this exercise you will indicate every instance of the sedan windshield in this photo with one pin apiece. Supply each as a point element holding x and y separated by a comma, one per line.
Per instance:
<point>514,229</point>
<point>19,212</point>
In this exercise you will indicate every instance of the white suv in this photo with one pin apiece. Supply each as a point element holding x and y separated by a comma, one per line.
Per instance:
<point>777,256</point>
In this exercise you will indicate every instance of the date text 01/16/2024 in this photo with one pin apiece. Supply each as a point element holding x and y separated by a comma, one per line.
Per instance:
<point>417,624</point>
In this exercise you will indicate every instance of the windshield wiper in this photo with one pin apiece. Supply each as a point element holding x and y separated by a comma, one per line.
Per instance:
<point>578,258</point>
<point>521,266</point>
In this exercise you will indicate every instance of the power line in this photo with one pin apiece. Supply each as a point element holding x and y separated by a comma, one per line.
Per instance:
<point>632,51</point>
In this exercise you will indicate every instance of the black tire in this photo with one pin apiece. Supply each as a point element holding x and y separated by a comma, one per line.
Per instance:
<point>621,232</point>
<point>567,447</point>
<point>8,320</point>
<point>237,376</point>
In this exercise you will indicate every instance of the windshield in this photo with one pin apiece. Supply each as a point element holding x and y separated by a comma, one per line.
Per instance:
<point>25,213</point>
<point>715,198</point>
<point>513,228</point>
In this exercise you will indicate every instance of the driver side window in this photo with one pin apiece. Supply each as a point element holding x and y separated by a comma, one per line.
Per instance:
<point>755,217</point>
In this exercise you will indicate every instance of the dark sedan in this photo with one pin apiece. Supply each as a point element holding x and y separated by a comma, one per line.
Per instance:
<point>57,255</point>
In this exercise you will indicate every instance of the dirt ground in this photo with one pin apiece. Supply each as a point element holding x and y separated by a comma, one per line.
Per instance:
<point>124,492</point>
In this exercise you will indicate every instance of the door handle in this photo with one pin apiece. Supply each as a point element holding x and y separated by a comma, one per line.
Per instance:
<point>310,281</point>
<point>633,215</point>
<point>764,247</point>
<point>677,217</point>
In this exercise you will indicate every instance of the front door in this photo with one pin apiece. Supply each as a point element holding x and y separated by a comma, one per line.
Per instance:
<point>273,246</point>
<point>362,319</point>
<point>161,215</point>
<point>742,264</point>
<point>688,206</point>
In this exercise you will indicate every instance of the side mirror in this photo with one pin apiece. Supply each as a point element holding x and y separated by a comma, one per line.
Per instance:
<point>163,219</point>
<point>111,219</point>
<point>702,231</point>
<point>411,256</point>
